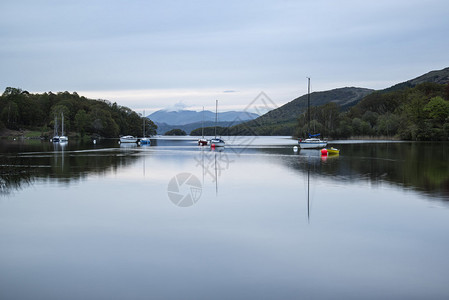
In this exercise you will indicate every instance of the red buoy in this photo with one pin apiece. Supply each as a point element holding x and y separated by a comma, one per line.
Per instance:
<point>324,151</point>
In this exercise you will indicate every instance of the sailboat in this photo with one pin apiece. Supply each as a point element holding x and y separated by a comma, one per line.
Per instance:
<point>144,140</point>
<point>202,141</point>
<point>59,138</point>
<point>62,137</point>
<point>216,142</point>
<point>55,138</point>
<point>313,142</point>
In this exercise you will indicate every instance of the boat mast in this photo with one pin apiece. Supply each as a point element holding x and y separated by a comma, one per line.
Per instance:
<point>216,114</point>
<point>55,128</point>
<point>308,105</point>
<point>62,125</point>
<point>143,130</point>
<point>202,124</point>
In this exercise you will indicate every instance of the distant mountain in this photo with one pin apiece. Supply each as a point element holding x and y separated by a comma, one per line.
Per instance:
<point>184,117</point>
<point>163,127</point>
<point>189,120</point>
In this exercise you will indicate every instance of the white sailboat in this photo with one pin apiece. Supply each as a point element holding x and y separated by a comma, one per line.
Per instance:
<point>202,141</point>
<point>62,137</point>
<point>216,142</point>
<point>144,140</point>
<point>56,137</point>
<point>313,141</point>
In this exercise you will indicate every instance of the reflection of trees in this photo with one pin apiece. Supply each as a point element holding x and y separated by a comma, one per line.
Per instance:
<point>63,166</point>
<point>13,175</point>
<point>420,166</point>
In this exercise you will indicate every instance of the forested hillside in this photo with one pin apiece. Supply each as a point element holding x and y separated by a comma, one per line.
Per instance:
<point>283,120</point>
<point>413,110</point>
<point>20,110</point>
<point>418,113</point>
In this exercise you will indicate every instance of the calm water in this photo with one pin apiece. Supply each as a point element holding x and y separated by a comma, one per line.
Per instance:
<point>255,220</point>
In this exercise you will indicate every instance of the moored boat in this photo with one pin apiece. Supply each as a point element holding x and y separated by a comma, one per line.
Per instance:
<point>216,142</point>
<point>56,137</point>
<point>62,137</point>
<point>144,140</point>
<point>202,141</point>
<point>128,139</point>
<point>313,142</point>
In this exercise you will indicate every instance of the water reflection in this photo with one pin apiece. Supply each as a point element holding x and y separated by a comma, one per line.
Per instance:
<point>56,163</point>
<point>420,166</point>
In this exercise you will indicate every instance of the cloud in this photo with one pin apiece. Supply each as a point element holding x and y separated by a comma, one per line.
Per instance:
<point>177,107</point>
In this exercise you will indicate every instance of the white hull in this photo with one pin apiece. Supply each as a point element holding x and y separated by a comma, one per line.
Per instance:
<point>128,139</point>
<point>217,142</point>
<point>312,144</point>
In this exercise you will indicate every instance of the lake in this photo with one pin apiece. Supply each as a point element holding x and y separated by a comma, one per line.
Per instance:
<point>255,220</point>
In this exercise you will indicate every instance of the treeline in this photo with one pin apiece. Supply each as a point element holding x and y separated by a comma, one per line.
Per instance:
<point>420,113</point>
<point>20,110</point>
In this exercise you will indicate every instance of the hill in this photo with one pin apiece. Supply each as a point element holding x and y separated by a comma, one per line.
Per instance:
<point>280,121</point>
<point>438,76</point>
<point>283,120</point>
<point>21,110</point>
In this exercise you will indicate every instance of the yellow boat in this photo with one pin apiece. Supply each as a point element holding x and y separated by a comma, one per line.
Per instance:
<point>330,151</point>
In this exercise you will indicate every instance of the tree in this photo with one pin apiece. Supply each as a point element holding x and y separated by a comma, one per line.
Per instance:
<point>437,109</point>
<point>81,121</point>
<point>150,127</point>
<point>10,115</point>
<point>176,131</point>
<point>9,91</point>
<point>388,124</point>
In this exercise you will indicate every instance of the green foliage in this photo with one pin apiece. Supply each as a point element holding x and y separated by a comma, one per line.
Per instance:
<point>20,109</point>
<point>150,127</point>
<point>418,113</point>
<point>437,109</point>
<point>176,131</point>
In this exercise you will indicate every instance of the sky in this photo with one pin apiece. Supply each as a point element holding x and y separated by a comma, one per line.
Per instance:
<point>151,55</point>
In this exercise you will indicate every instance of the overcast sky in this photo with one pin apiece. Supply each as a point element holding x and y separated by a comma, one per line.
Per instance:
<point>158,54</point>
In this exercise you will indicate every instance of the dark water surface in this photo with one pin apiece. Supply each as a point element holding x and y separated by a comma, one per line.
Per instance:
<point>255,220</point>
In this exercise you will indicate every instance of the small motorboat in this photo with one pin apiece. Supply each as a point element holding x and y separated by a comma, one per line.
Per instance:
<point>202,142</point>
